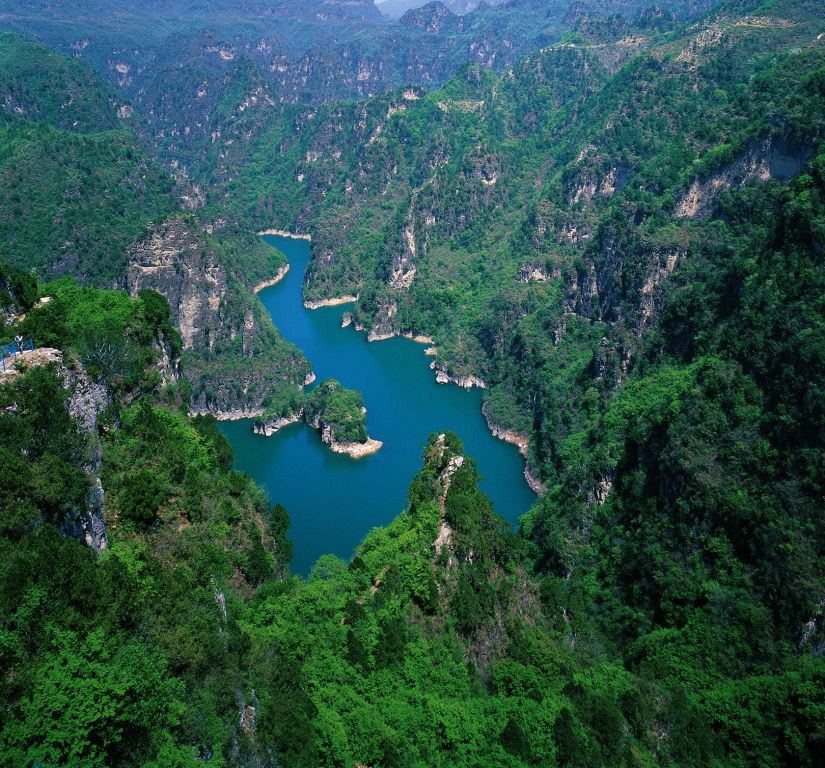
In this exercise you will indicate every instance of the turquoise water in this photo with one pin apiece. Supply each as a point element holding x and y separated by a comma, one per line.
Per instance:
<point>333,500</point>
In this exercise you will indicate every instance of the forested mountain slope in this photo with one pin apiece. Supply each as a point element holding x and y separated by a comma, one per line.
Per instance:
<point>183,64</point>
<point>529,221</point>
<point>621,235</point>
<point>82,197</point>
<point>126,542</point>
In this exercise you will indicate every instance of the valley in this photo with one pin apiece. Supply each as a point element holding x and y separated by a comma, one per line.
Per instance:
<point>513,457</point>
<point>334,500</point>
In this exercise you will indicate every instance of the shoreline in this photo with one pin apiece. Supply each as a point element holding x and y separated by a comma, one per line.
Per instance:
<point>353,450</point>
<point>284,233</point>
<point>236,414</point>
<point>512,436</point>
<point>279,275</point>
<point>336,301</point>
<point>357,450</point>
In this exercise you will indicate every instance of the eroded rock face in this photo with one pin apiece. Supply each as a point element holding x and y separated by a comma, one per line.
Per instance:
<point>771,158</point>
<point>234,357</point>
<point>175,260</point>
<point>87,400</point>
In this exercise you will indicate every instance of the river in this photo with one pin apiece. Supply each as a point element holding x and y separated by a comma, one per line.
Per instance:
<point>333,500</point>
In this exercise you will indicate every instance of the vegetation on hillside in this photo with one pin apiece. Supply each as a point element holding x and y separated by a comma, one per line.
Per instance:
<point>132,655</point>
<point>623,235</point>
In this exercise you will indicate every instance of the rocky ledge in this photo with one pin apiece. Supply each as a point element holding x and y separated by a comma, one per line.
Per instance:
<point>279,275</point>
<point>284,233</point>
<point>535,484</point>
<point>519,439</point>
<point>269,427</point>
<point>333,302</point>
<point>418,338</point>
<point>356,450</point>
<point>443,377</point>
<point>233,414</point>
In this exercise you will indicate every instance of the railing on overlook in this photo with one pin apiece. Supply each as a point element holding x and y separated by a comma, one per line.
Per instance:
<point>10,351</point>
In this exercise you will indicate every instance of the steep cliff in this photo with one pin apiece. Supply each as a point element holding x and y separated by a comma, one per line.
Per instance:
<point>233,356</point>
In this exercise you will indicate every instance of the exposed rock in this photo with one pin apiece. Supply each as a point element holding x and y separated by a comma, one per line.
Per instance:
<point>812,636</point>
<point>520,440</point>
<point>443,377</point>
<point>417,338</point>
<point>532,273</point>
<point>357,450</point>
<point>383,325</point>
<point>279,275</point>
<point>87,400</point>
<point>227,414</point>
<point>354,450</point>
<point>22,361</point>
<point>535,484</point>
<point>664,268</point>
<point>346,319</point>
<point>332,302</point>
<point>600,491</point>
<point>175,260</point>
<point>284,233</point>
<point>444,540</point>
<point>269,427</point>
<point>771,158</point>
<point>88,526</point>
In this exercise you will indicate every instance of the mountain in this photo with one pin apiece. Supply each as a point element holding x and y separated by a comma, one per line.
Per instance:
<point>618,232</point>
<point>395,9</point>
<point>182,64</point>
<point>84,198</point>
<point>622,238</point>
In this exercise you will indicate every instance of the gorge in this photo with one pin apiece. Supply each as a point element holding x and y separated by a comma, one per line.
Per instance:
<point>332,499</point>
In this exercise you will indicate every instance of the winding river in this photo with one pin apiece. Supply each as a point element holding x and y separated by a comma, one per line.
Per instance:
<point>333,500</point>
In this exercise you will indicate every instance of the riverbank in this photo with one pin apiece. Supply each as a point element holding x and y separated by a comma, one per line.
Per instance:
<point>284,233</point>
<point>519,439</point>
<point>235,414</point>
<point>336,301</point>
<point>279,275</point>
<point>522,442</point>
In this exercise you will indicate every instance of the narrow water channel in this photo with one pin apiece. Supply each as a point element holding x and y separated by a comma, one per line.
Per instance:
<point>333,500</point>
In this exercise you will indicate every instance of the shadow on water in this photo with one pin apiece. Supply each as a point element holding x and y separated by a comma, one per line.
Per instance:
<point>333,500</point>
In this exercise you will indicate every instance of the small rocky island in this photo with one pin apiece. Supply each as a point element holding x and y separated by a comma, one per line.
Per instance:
<point>336,412</point>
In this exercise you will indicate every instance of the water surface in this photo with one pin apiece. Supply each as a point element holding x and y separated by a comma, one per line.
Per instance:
<point>333,500</point>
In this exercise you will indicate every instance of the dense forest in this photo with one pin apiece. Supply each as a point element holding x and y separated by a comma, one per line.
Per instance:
<point>618,227</point>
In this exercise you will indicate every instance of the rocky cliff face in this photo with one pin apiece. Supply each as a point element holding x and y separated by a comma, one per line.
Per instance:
<point>87,400</point>
<point>175,260</point>
<point>771,158</point>
<point>233,355</point>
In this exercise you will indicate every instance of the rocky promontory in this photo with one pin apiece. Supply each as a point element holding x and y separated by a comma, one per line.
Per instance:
<point>279,275</point>
<point>335,301</point>
<point>337,413</point>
